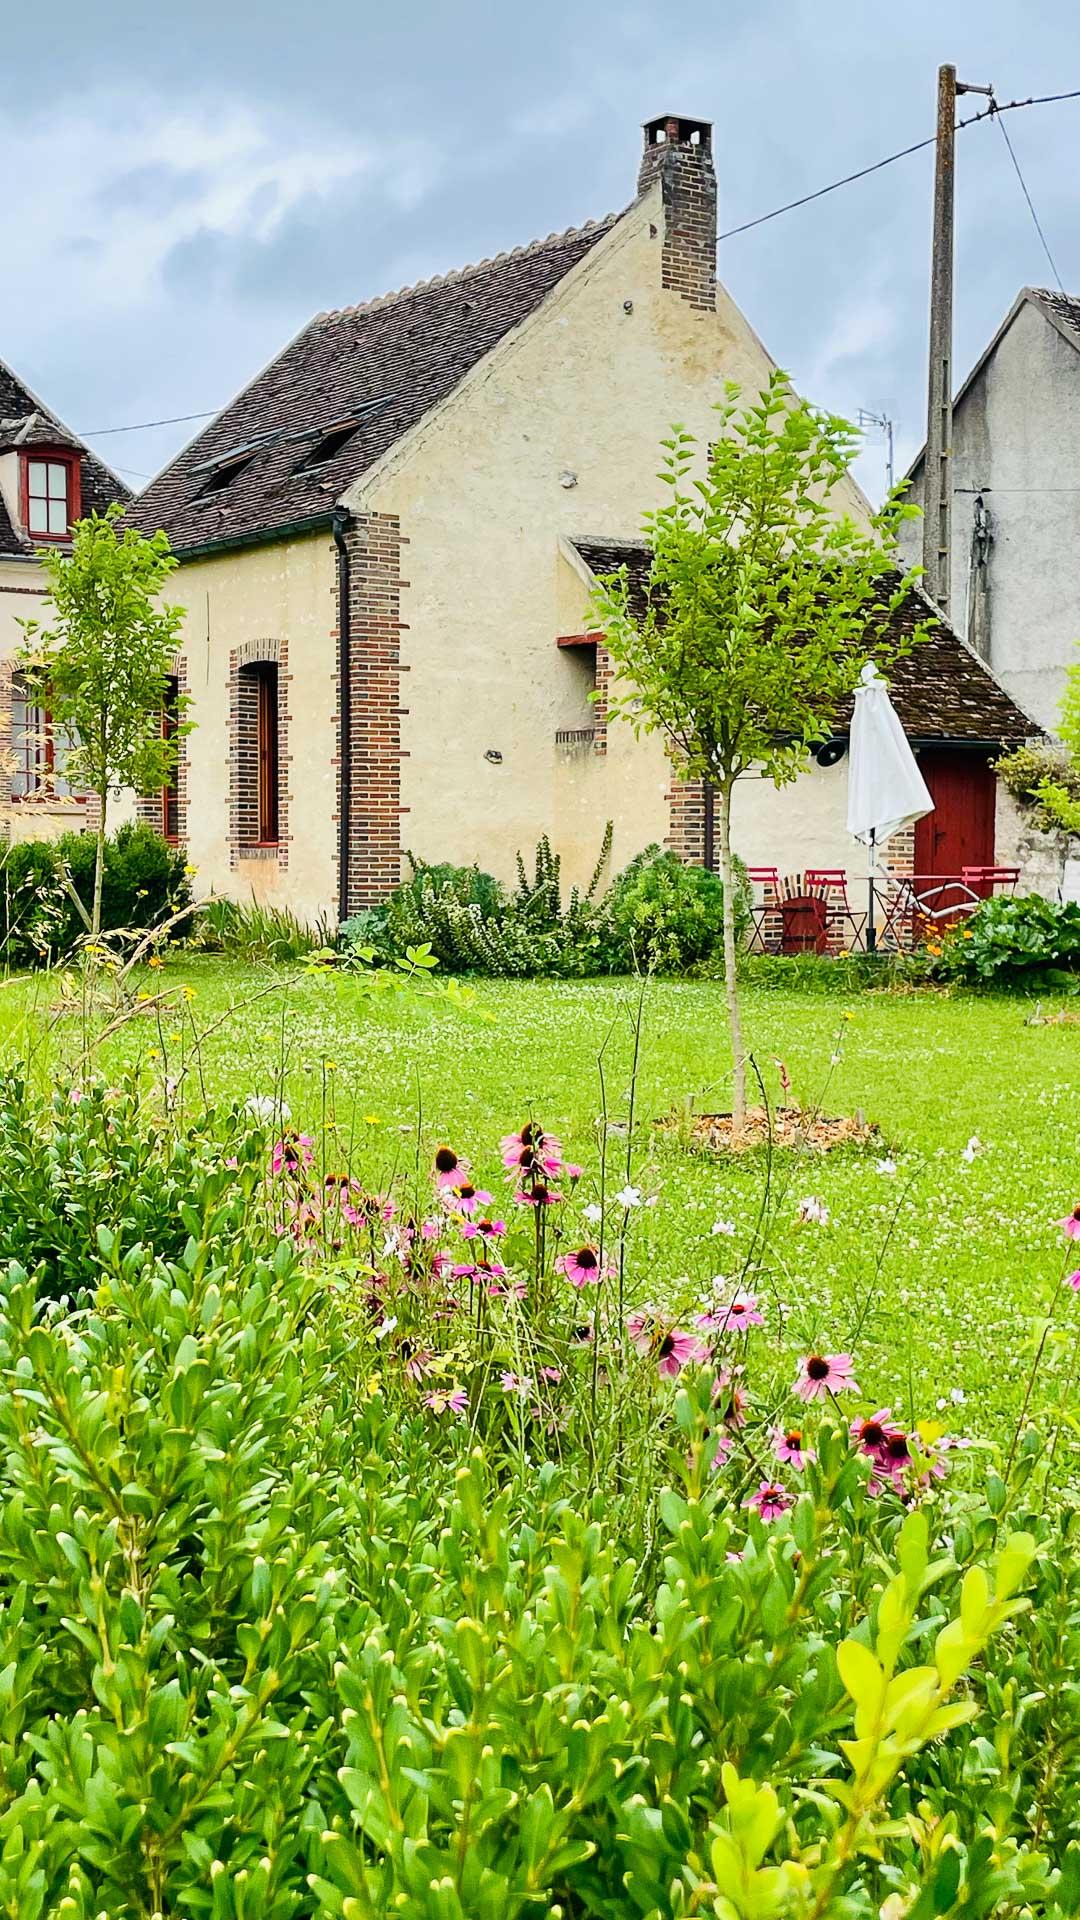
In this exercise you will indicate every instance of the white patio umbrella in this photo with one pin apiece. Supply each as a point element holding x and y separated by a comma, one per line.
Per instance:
<point>886,791</point>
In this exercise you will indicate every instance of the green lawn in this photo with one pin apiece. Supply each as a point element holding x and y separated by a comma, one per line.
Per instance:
<point>944,1267</point>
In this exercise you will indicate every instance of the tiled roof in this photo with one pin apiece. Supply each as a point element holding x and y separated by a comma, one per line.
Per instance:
<point>383,364</point>
<point>1064,306</point>
<point>25,422</point>
<point>941,689</point>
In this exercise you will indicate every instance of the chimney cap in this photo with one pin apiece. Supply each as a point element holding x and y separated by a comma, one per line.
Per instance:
<point>677,129</point>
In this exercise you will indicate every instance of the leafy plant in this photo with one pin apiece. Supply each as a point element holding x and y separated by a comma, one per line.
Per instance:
<point>1045,779</point>
<point>669,916</point>
<point>144,882</point>
<point>103,667</point>
<point>762,608</point>
<point>1027,942</point>
<point>254,931</point>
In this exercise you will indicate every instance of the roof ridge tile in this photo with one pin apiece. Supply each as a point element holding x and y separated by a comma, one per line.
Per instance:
<point>452,275</point>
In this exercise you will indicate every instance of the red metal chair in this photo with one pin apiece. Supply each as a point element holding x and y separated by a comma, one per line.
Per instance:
<point>767,879</point>
<point>986,881</point>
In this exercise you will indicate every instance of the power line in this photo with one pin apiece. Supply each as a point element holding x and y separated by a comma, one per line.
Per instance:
<point>995,110</point>
<point>1006,106</point>
<point>1027,197</point>
<point>139,426</point>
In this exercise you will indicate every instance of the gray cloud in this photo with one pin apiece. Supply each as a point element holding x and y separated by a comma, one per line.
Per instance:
<point>196,217</point>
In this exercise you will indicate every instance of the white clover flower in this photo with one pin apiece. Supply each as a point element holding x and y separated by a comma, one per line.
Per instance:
<point>726,1227</point>
<point>888,1165</point>
<point>972,1150</point>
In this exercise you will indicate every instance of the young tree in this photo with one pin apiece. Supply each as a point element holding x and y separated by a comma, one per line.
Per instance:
<point>762,608</point>
<point>103,665</point>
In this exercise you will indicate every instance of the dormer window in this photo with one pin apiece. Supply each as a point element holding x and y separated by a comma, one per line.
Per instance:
<point>50,495</point>
<point>221,477</point>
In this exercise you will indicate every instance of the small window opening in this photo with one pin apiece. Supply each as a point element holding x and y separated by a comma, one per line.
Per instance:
<point>258,755</point>
<point>221,477</point>
<point>39,748</point>
<point>48,499</point>
<point>327,447</point>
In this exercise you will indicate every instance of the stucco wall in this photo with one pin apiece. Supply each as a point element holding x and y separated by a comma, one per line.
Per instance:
<point>584,388</point>
<point>280,591</point>
<point>1016,434</point>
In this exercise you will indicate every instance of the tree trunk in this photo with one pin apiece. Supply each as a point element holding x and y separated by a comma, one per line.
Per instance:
<point>99,868</point>
<point>738,1057</point>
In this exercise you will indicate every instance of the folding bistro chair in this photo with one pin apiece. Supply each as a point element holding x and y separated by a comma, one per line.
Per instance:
<point>767,879</point>
<point>986,881</point>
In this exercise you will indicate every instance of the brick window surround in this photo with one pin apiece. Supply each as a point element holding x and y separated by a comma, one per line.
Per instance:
<point>251,806</point>
<point>156,808</point>
<point>374,543</point>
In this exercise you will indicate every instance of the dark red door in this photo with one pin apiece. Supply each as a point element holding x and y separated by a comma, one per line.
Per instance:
<point>960,831</point>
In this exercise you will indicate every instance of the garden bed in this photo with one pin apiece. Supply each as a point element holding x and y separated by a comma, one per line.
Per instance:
<point>786,1127</point>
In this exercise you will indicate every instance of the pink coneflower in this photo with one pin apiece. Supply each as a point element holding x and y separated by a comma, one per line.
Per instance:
<point>771,1500</point>
<point>442,1264</point>
<point>291,1152</point>
<point>419,1364</point>
<point>723,1446</point>
<point>790,1447</point>
<point>741,1310</point>
<point>540,1195</point>
<point>431,1229</point>
<point>583,1335</point>
<point>531,1152</point>
<point>642,1328</point>
<point>1073,1281</point>
<point>449,1167</point>
<point>554,1374</point>
<point>871,1433</point>
<point>447,1400</point>
<point>822,1373</point>
<point>515,1383</point>
<point>478,1270</point>
<point>572,1172</point>
<point>503,1290</point>
<point>484,1229</point>
<point>582,1268</point>
<point>463,1197</point>
<point>1070,1226</point>
<point>675,1350</point>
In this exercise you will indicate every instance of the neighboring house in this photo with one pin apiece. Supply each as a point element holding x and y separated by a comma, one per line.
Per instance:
<point>48,477</point>
<point>1015,571</point>
<point>387,545</point>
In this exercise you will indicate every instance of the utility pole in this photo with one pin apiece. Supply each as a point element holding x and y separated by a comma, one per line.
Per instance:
<point>868,419</point>
<point>937,496</point>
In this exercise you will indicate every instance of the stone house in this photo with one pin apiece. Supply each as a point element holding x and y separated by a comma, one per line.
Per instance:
<point>48,477</point>
<point>1015,563</point>
<point>388,541</point>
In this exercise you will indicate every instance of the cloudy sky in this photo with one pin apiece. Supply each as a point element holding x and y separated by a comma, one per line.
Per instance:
<point>184,188</point>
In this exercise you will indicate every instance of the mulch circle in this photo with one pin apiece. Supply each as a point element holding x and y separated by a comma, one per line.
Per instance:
<point>787,1126</point>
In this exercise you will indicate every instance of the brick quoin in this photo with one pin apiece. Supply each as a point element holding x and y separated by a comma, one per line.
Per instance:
<point>150,807</point>
<point>374,542</point>
<point>686,820</point>
<point>678,153</point>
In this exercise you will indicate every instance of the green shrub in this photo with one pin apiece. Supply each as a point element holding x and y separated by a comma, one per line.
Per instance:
<point>145,882</point>
<point>669,917</point>
<point>1007,942</point>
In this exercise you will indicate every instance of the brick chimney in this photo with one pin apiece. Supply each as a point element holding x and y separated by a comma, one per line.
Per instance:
<point>678,153</point>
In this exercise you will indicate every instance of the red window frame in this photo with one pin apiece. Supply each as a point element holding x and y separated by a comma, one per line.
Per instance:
<point>170,792</point>
<point>51,457</point>
<point>266,674</point>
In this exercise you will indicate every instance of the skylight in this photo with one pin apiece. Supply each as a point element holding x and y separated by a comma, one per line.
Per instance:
<point>221,477</point>
<point>327,447</point>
